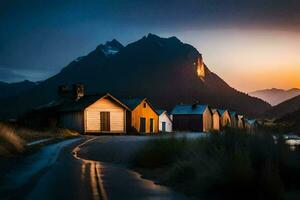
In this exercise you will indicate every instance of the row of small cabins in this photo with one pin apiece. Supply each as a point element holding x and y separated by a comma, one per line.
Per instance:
<point>104,113</point>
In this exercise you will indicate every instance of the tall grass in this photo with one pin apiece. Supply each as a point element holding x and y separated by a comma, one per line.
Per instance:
<point>13,138</point>
<point>10,142</point>
<point>232,165</point>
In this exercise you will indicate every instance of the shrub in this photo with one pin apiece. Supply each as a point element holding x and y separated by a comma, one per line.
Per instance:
<point>233,164</point>
<point>167,152</point>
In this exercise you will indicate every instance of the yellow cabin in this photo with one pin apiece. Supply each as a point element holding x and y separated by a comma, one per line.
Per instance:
<point>234,119</point>
<point>216,119</point>
<point>142,117</point>
<point>225,118</point>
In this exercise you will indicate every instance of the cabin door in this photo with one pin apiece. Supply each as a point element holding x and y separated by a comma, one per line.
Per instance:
<point>142,125</point>
<point>105,121</point>
<point>151,125</point>
<point>163,125</point>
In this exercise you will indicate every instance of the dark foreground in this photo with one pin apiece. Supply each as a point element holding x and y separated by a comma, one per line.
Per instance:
<point>65,171</point>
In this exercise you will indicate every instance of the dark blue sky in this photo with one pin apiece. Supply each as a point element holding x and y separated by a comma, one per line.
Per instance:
<point>38,38</point>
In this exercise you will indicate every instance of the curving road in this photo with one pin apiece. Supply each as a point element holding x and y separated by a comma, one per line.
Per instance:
<point>92,168</point>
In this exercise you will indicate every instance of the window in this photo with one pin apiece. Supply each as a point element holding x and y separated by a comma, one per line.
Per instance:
<point>145,105</point>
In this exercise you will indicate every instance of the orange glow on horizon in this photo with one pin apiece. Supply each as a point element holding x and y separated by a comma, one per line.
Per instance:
<point>251,59</point>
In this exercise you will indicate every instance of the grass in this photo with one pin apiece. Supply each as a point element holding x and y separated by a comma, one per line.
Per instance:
<point>230,165</point>
<point>13,138</point>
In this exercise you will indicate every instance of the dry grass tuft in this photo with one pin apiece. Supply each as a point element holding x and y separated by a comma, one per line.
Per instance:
<point>10,142</point>
<point>13,138</point>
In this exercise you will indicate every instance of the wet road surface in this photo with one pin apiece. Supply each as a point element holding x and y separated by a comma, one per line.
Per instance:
<point>74,175</point>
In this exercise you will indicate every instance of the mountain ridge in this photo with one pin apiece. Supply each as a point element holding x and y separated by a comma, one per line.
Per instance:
<point>161,69</point>
<point>284,108</point>
<point>275,96</point>
<point>292,120</point>
<point>13,89</point>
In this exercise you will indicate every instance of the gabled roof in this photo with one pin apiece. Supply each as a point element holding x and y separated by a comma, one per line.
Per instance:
<point>187,109</point>
<point>221,111</point>
<point>250,121</point>
<point>160,111</point>
<point>132,103</point>
<point>214,110</point>
<point>51,104</point>
<point>241,116</point>
<point>86,101</point>
<point>233,114</point>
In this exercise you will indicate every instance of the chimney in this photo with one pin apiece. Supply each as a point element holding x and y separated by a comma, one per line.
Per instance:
<point>78,91</point>
<point>64,91</point>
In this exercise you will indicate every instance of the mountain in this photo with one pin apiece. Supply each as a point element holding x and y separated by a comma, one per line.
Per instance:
<point>13,89</point>
<point>111,48</point>
<point>284,108</point>
<point>292,119</point>
<point>275,96</point>
<point>165,70</point>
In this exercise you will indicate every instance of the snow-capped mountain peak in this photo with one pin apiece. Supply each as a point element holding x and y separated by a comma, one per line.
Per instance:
<point>111,47</point>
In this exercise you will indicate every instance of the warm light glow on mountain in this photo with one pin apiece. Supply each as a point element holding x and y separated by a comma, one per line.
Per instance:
<point>249,60</point>
<point>200,68</point>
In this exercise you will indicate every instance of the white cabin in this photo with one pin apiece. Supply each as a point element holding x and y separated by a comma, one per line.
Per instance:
<point>165,122</point>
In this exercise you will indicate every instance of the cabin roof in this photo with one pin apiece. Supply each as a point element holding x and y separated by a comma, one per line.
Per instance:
<point>250,121</point>
<point>222,111</point>
<point>241,116</point>
<point>187,109</point>
<point>86,101</point>
<point>213,110</point>
<point>160,111</point>
<point>232,113</point>
<point>132,103</point>
<point>51,104</point>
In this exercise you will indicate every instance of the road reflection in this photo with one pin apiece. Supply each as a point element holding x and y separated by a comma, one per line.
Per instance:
<point>114,181</point>
<point>94,168</point>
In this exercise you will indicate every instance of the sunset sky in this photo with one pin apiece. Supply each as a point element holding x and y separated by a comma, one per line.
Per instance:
<point>250,44</point>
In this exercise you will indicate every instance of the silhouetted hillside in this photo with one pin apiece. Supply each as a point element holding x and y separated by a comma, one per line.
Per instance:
<point>162,69</point>
<point>13,89</point>
<point>291,119</point>
<point>275,96</point>
<point>284,108</point>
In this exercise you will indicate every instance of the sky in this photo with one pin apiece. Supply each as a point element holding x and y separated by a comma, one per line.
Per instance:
<point>250,44</point>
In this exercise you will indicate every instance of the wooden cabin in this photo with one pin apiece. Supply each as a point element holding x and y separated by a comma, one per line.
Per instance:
<point>192,118</point>
<point>165,122</point>
<point>94,114</point>
<point>225,118</point>
<point>251,125</point>
<point>234,119</point>
<point>142,117</point>
<point>241,122</point>
<point>216,119</point>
